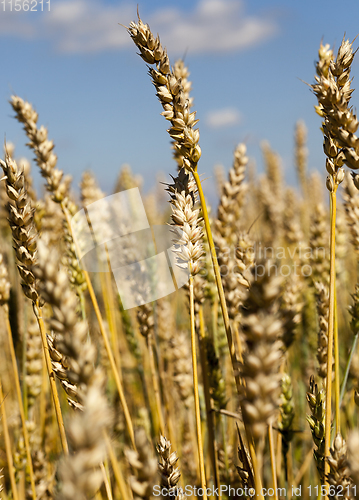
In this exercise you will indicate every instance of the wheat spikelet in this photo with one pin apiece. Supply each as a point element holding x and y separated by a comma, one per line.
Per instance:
<point>21,219</point>
<point>4,283</point>
<point>291,309</point>
<point>126,179</point>
<point>316,402</point>
<point>169,473</point>
<point>144,466</point>
<point>339,472</point>
<point>233,195</point>
<point>79,473</point>
<point>301,154</point>
<point>49,219</point>
<point>73,357</point>
<point>319,244</point>
<point>33,363</point>
<point>287,415</point>
<point>186,222</point>
<point>170,93</point>
<point>351,205</point>
<point>90,192</point>
<point>291,220</point>
<point>332,89</point>
<point>56,183</point>
<point>353,456</point>
<point>262,330</point>
<point>215,376</point>
<point>182,374</point>
<point>323,318</point>
<point>43,478</point>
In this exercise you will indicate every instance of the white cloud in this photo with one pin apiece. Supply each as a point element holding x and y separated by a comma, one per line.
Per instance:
<point>224,117</point>
<point>16,24</point>
<point>85,26</point>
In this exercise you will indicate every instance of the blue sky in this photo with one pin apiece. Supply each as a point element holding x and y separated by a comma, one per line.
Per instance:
<point>247,59</point>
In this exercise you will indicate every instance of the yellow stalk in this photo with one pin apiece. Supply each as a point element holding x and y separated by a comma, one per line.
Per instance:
<point>108,299</point>
<point>19,398</point>
<point>121,483</point>
<point>217,274</point>
<point>8,446</point>
<point>272,460</point>
<point>106,482</point>
<point>43,398</point>
<point>336,367</point>
<point>328,396</point>
<point>55,396</point>
<point>195,389</point>
<point>155,384</point>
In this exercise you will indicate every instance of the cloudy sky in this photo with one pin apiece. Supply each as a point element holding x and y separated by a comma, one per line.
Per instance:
<point>248,61</point>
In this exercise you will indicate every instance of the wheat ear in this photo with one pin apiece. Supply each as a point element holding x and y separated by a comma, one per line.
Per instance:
<point>144,466</point>
<point>176,110</point>
<point>24,236</point>
<point>80,472</point>
<point>333,91</point>
<point>188,231</point>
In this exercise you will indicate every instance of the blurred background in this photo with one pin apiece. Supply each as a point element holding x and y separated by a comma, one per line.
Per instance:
<point>249,62</point>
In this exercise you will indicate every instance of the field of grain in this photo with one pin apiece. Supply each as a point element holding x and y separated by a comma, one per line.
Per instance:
<point>244,382</point>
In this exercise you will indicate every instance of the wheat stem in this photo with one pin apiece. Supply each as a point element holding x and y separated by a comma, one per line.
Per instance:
<point>8,446</point>
<point>272,460</point>
<point>336,367</point>
<point>195,390</point>
<point>106,482</point>
<point>19,398</point>
<point>108,300</point>
<point>55,395</point>
<point>43,399</point>
<point>328,396</point>
<point>116,469</point>
<point>155,384</point>
<point>218,280</point>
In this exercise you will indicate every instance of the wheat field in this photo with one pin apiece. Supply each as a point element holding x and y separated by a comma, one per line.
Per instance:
<point>244,382</point>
